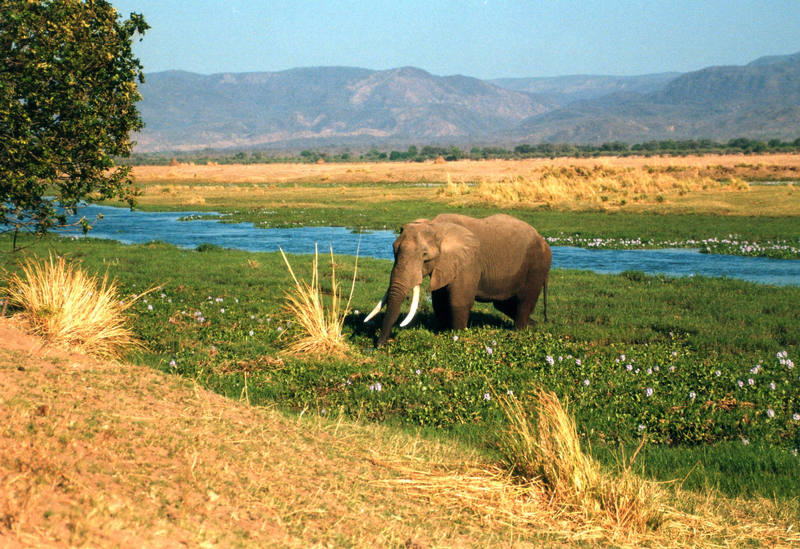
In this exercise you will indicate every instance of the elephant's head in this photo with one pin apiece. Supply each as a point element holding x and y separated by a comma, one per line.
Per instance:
<point>439,249</point>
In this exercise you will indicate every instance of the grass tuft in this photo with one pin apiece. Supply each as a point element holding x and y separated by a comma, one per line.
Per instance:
<point>548,450</point>
<point>67,306</point>
<point>320,325</point>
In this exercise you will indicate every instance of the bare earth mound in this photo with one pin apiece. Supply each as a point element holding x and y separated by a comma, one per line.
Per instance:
<point>105,454</point>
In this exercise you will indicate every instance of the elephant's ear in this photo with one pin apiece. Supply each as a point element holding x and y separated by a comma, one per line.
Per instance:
<point>458,252</point>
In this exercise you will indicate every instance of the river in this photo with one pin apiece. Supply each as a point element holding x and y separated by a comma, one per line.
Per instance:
<point>134,227</point>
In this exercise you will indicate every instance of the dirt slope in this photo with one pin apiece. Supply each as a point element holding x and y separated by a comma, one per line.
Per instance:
<point>101,454</point>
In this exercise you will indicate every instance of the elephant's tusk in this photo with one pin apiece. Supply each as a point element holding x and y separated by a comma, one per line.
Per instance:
<point>414,305</point>
<point>376,310</point>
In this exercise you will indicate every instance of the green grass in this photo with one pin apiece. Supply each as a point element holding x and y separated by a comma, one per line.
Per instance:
<point>218,320</point>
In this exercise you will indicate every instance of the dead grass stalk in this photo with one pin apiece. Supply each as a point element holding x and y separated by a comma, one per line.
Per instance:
<point>321,325</point>
<point>68,306</point>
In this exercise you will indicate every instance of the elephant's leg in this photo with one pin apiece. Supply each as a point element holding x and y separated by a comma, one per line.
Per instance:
<point>527,304</point>
<point>441,308</point>
<point>460,315</point>
<point>508,307</point>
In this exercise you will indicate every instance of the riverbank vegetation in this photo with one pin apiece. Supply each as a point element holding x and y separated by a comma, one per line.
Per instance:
<point>704,369</point>
<point>720,204</point>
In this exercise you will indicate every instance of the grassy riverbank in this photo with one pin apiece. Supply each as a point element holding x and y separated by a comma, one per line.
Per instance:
<point>692,201</point>
<point>637,356</point>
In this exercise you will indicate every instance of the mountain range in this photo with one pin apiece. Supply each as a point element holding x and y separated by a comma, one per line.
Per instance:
<point>326,106</point>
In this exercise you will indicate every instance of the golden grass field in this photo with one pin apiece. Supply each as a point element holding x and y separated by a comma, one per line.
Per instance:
<point>699,184</point>
<point>775,165</point>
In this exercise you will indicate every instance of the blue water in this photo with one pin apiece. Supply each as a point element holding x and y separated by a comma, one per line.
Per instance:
<point>138,227</point>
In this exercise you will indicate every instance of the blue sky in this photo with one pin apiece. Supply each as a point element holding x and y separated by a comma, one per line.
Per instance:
<point>480,38</point>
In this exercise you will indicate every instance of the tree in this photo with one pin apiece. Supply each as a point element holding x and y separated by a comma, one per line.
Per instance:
<point>67,93</point>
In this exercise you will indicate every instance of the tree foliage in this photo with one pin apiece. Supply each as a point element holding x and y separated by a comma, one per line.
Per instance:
<point>67,92</point>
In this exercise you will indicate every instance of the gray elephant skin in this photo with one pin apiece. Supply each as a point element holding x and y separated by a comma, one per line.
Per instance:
<point>498,259</point>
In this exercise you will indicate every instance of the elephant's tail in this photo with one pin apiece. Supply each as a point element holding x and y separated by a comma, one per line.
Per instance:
<point>544,289</point>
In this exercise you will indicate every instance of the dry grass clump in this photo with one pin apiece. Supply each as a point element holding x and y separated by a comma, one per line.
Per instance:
<point>602,186</point>
<point>548,450</point>
<point>320,325</point>
<point>551,487</point>
<point>68,306</point>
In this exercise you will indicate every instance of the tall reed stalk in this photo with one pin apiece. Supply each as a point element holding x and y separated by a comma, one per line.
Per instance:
<point>320,325</point>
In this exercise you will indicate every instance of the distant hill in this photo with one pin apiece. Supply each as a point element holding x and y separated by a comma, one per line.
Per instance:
<point>758,100</point>
<point>189,111</point>
<point>342,105</point>
<point>567,89</point>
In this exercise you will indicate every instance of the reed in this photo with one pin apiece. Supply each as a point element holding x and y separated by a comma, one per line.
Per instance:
<point>67,306</point>
<point>320,324</point>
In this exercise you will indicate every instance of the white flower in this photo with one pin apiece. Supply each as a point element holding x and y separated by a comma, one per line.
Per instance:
<point>455,338</point>
<point>149,307</point>
<point>772,385</point>
<point>251,333</point>
<point>751,381</point>
<point>796,417</point>
<point>740,383</point>
<point>718,373</point>
<point>629,367</point>
<point>755,369</point>
<point>487,396</point>
<point>770,412</point>
<point>586,382</point>
<point>510,392</point>
<point>641,427</point>
<point>745,441</point>
<point>418,371</point>
<point>550,360</point>
<point>692,395</point>
<point>172,363</point>
<point>649,391</point>
<point>489,350</point>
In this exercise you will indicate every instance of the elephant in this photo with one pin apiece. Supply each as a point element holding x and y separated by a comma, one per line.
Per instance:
<point>500,259</point>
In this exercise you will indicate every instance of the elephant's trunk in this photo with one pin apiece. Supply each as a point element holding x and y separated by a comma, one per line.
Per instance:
<point>406,275</point>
